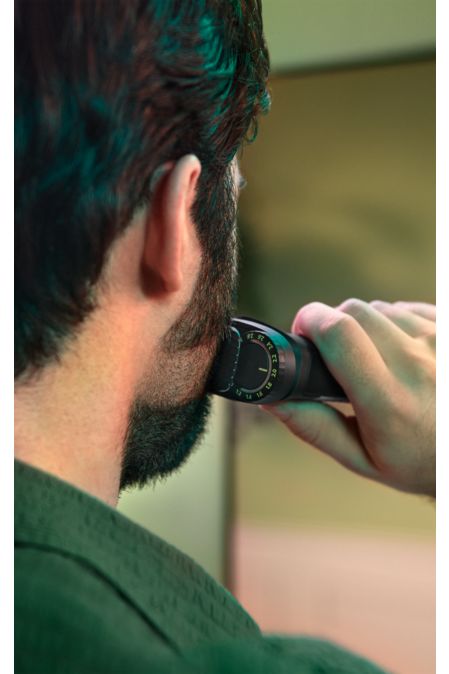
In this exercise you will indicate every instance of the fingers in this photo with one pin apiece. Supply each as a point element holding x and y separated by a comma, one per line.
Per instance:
<point>423,309</point>
<point>383,355</point>
<point>328,430</point>
<point>386,335</point>
<point>388,326</point>
<point>348,350</point>
<point>413,323</point>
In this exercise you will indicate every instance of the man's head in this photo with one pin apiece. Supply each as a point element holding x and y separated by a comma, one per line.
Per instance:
<point>129,115</point>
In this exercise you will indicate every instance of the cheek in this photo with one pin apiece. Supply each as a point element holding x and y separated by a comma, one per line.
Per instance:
<point>192,370</point>
<point>178,378</point>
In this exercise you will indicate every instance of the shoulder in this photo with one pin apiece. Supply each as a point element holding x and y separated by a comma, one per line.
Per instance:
<point>71,618</point>
<point>278,655</point>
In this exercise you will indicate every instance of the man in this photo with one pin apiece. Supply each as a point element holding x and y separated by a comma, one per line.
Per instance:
<point>129,116</point>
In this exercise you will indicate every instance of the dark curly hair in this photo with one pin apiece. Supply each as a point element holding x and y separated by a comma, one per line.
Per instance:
<point>105,93</point>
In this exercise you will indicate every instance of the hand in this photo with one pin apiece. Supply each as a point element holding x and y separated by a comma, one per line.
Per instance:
<point>383,355</point>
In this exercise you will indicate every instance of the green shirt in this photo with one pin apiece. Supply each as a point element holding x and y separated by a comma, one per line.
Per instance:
<point>96,593</point>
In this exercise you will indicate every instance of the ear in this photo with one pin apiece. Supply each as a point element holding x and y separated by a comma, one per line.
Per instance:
<point>171,242</point>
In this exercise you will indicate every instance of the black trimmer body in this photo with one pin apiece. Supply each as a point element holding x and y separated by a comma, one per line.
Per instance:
<point>258,363</point>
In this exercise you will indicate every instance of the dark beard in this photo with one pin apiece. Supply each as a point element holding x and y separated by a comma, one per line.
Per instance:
<point>160,440</point>
<point>163,425</point>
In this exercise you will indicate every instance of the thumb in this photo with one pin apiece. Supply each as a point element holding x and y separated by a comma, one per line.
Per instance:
<point>328,430</point>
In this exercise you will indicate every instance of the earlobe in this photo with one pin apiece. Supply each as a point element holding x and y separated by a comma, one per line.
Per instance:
<point>169,231</point>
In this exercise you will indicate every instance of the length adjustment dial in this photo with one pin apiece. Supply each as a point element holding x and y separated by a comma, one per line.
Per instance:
<point>258,367</point>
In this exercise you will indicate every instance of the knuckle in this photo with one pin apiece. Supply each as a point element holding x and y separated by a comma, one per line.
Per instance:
<point>305,426</point>
<point>313,436</point>
<point>335,327</point>
<point>377,304</point>
<point>383,307</point>
<point>313,433</point>
<point>353,306</point>
<point>387,309</point>
<point>308,313</point>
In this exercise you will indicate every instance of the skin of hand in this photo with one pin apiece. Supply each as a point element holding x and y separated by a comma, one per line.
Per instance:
<point>383,355</point>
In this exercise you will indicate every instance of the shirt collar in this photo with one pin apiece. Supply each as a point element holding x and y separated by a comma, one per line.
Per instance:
<point>178,598</point>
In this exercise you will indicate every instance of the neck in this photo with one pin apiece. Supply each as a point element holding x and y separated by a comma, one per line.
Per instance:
<point>71,421</point>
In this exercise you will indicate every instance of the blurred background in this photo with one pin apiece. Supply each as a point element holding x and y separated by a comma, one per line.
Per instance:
<point>340,203</point>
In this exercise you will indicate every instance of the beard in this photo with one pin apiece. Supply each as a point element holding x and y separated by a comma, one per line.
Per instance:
<point>170,413</point>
